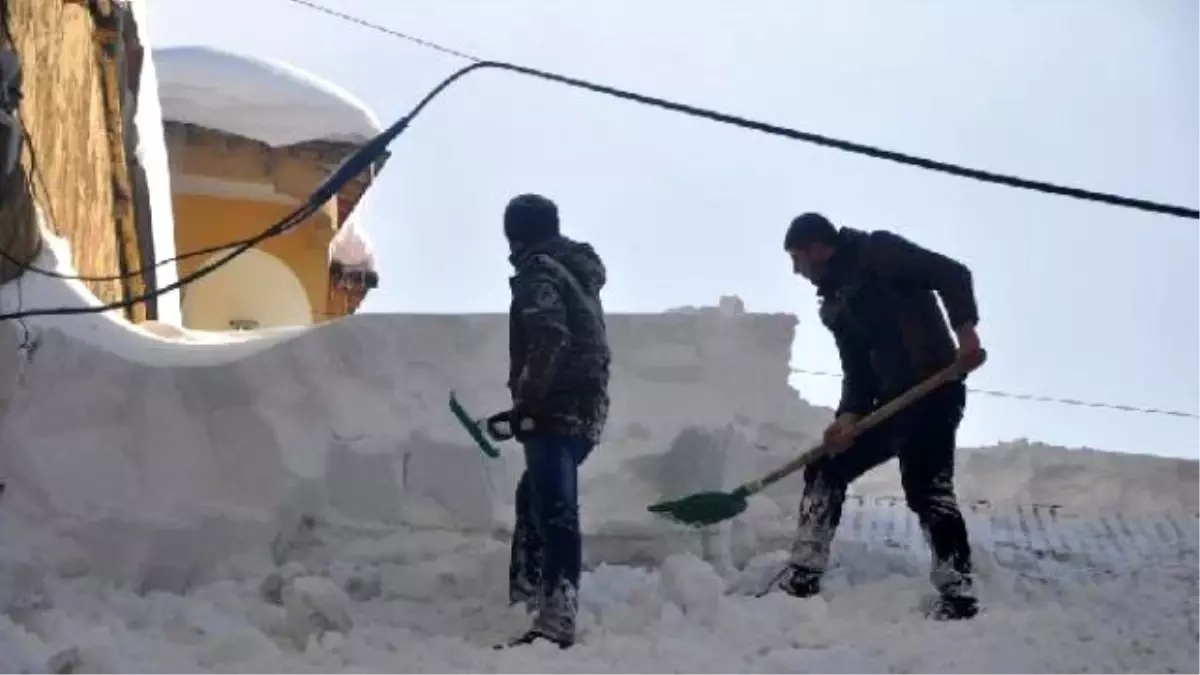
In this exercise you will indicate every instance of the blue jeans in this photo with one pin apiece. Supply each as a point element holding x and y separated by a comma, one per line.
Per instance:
<point>547,551</point>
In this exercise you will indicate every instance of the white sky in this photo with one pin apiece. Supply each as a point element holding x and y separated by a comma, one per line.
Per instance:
<point>1078,300</point>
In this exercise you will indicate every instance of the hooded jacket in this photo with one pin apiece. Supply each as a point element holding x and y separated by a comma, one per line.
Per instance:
<point>559,357</point>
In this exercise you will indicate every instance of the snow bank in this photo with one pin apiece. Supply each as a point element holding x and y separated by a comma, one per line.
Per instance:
<point>180,441</point>
<point>264,100</point>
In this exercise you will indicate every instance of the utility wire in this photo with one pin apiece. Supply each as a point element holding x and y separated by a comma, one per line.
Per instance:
<point>1040,399</point>
<point>827,141</point>
<point>394,33</point>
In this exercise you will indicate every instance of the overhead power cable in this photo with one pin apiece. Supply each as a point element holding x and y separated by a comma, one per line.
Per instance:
<point>765,127</point>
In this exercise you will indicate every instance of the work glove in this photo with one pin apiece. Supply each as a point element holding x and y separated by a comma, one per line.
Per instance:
<point>510,424</point>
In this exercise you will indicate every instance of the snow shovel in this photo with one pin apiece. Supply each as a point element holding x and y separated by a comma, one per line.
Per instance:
<point>473,427</point>
<point>710,508</point>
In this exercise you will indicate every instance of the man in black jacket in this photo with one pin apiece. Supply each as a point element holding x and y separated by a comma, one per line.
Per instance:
<point>879,297</point>
<point>559,370</point>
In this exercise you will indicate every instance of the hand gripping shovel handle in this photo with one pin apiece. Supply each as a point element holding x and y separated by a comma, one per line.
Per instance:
<point>954,370</point>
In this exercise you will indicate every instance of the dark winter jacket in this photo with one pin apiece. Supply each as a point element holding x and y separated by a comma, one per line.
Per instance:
<point>879,298</point>
<point>558,346</point>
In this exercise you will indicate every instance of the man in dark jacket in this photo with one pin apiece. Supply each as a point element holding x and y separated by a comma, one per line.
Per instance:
<point>559,370</point>
<point>879,297</point>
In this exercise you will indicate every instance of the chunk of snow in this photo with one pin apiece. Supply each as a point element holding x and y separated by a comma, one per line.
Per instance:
<point>351,246</point>
<point>315,605</point>
<point>264,100</point>
<point>692,584</point>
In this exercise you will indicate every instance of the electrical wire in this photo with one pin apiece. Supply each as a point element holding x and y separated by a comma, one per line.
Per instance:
<point>350,168</point>
<point>1040,399</point>
<point>818,139</point>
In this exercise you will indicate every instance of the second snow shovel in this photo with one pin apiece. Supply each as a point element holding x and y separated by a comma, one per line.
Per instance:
<point>476,428</point>
<point>710,508</point>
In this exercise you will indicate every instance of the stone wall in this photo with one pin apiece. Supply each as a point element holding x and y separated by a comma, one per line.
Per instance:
<point>76,157</point>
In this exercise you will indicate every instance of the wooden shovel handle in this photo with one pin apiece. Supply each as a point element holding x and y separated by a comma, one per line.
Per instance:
<point>954,370</point>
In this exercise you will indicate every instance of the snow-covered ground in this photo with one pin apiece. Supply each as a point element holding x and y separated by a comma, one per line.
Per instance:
<point>403,600</point>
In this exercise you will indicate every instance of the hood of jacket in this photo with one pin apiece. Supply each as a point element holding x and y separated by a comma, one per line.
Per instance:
<point>578,257</point>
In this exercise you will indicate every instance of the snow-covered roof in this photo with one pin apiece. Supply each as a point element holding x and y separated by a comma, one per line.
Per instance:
<point>268,101</point>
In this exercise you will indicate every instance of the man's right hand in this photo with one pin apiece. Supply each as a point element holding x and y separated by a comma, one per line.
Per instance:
<point>838,435</point>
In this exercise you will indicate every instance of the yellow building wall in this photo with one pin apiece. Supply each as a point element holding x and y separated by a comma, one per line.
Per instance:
<point>202,221</point>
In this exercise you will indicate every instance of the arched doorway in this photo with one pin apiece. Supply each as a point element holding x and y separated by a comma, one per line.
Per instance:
<point>254,290</point>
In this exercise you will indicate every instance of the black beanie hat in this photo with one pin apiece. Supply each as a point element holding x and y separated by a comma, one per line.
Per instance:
<point>530,218</point>
<point>809,228</point>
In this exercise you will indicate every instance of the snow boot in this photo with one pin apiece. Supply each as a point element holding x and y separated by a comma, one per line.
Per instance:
<point>953,608</point>
<point>533,636</point>
<point>524,594</point>
<point>800,582</point>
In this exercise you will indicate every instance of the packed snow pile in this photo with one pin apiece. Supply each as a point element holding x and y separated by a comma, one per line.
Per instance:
<point>260,99</point>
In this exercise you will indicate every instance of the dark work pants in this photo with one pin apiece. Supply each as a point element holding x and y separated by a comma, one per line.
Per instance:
<point>923,438</point>
<point>547,550</point>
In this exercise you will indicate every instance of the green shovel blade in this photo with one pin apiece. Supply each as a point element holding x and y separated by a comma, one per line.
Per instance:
<point>703,508</point>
